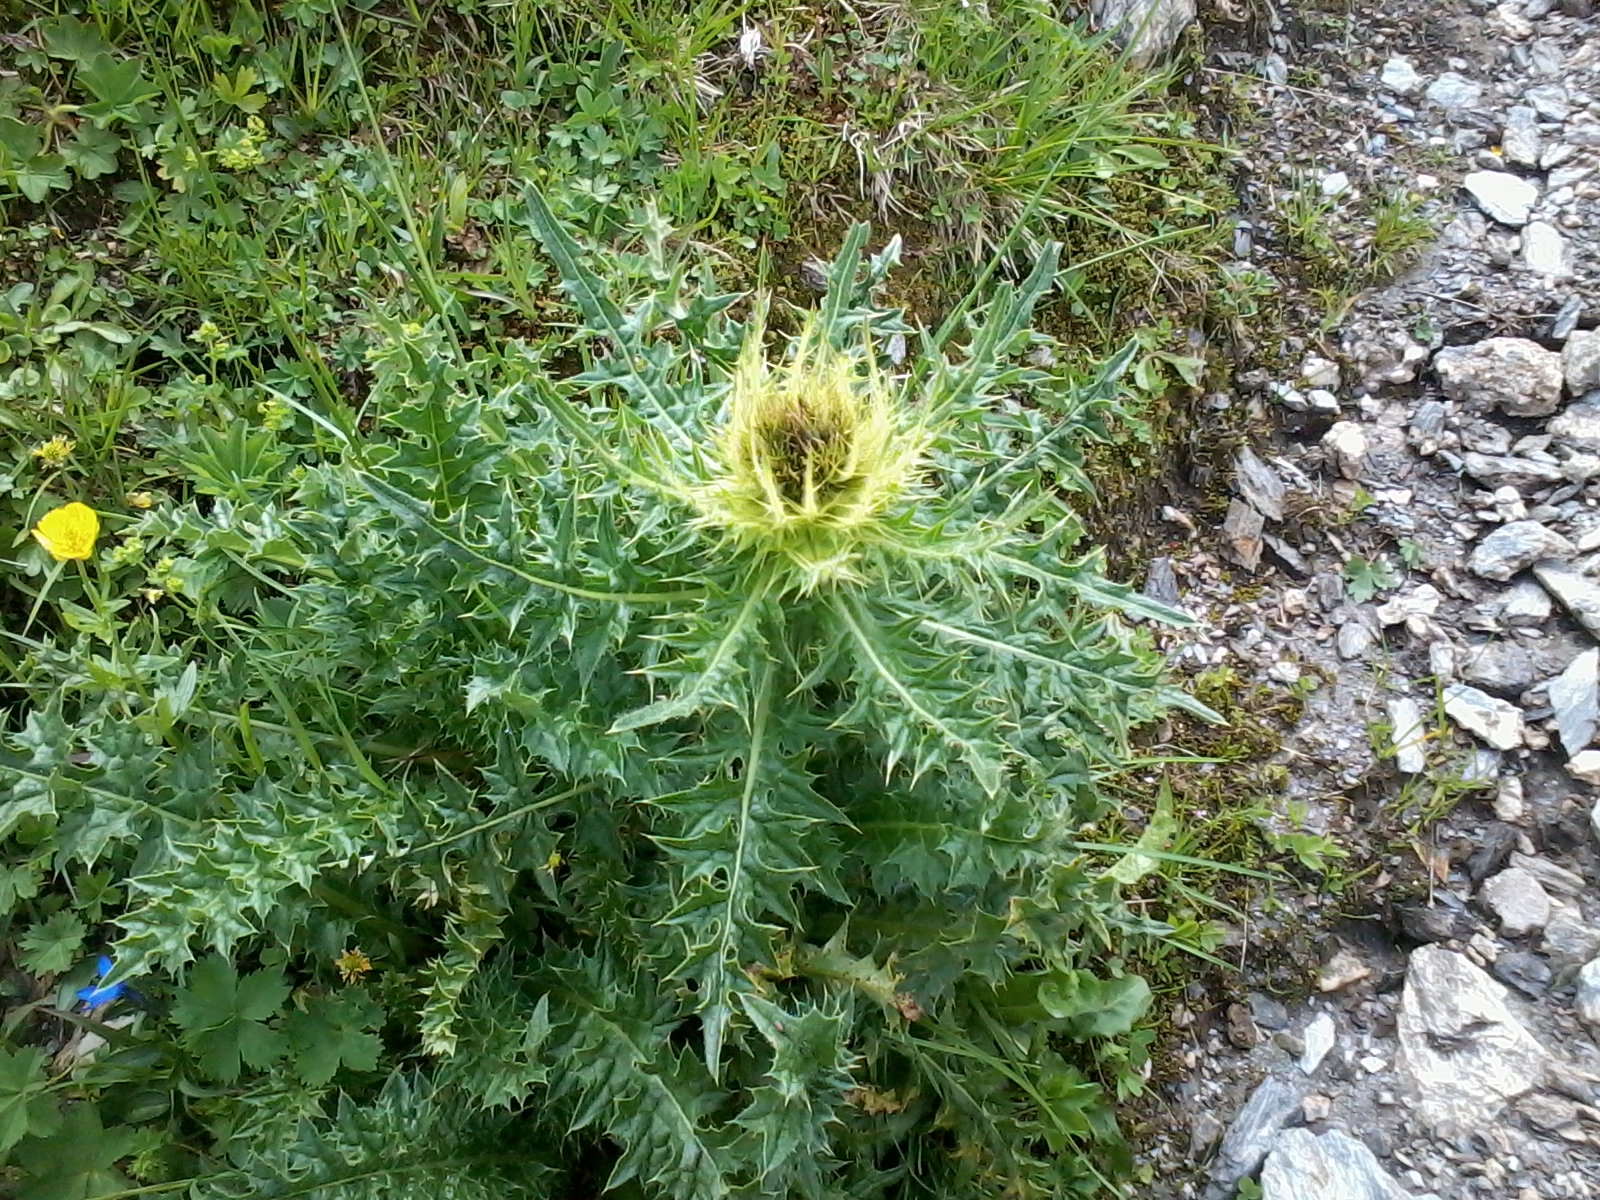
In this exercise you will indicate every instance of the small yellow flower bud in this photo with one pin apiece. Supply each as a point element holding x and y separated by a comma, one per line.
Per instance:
<point>55,452</point>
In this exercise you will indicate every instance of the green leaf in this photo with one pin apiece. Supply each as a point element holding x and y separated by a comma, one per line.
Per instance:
<point>788,1118</point>
<point>92,152</point>
<point>18,882</point>
<point>78,1161</point>
<point>25,1104</point>
<point>627,1077</point>
<point>19,141</point>
<point>222,1017</point>
<point>590,296</point>
<point>331,1031</point>
<point>52,947</point>
<point>1095,1007</point>
<point>40,175</point>
<point>918,700</point>
<point>713,661</point>
<point>1156,836</point>
<point>118,87</point>
<point>1365,578</point>
<point>412,1141</point>
<point>236,91</point>
<point>70,38</point>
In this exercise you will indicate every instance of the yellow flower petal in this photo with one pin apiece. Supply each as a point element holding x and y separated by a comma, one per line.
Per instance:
<point>68,532</point>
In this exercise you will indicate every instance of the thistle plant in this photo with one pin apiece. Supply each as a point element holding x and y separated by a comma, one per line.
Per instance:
<point>658,754</point>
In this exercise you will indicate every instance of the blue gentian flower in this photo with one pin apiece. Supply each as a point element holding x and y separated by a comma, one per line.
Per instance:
<point>98,993</point>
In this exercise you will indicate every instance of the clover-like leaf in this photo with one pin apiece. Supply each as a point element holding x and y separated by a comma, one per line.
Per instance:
<point>25,1104</point>
<point>50,947</point>
<point>71,39</point>
<point>92,152</point>
<point>78,1161</point>
<point>223,1017</point>
<point>332,1031</point>
<point>118,86</point>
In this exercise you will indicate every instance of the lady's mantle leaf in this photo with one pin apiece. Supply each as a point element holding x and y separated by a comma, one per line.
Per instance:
<point>52,946</point>
<point>222,1017</point>
<point>330,1031</point>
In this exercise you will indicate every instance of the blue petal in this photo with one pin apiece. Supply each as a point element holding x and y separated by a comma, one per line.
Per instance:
<point>98,994</point>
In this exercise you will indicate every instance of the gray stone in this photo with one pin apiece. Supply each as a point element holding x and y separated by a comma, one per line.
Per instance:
<point>1334,1166</point>
<point>1434,923</point>
<point>1421,601</point>
<point>1463,1055</point>
<point>1395,358</point>
<point>1495,721</point>
<point>1344,967</point>
<point>1517,375</point>
<point>1291,557</point>
<point>1259,484</point>
<point>1502,245</point>
<point>1427,423</point>
<point>1520,140</point>
<point>1575,696</point>
<point>1321,1034</point>
<point>1149,28</point>
<point>1573,590</point>
<point>1502,196</point>
<point>1355,638</point>
<point>1319,372</point>
<point>1587,1000</point>
<point>1584,766</point>
<point>1502,668</point>
<point>1517,900</point>
<point>1204,1131</point>
<point>1525,605</point>
<point>1545,251</point>
<point>1578,425</point>
<point>1528,973</point>
<point>1549,100</point>
<point>1407,730</point>
<point>1580,361</point>
<point>1566,318</point>
<point>1254,1130</point>
<point>1268,1011</point>
<point>1568,940</point>
<point>1549,1114</point>
<point>1494,846</point>
<point>1161,581</point>
<point>1556,880</point>
<point>1242,528</point>
<point>1454,91</point>
<point>1516,546</point>
<point>1510,805</point>
<point>1345,445</point>
<point>1482,767</point>
<point>1399,75</point>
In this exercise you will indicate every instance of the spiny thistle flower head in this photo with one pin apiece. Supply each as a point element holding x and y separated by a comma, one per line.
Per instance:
<point>813,455</point>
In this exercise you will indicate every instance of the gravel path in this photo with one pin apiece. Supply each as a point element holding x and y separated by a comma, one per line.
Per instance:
<point>1420,538</point>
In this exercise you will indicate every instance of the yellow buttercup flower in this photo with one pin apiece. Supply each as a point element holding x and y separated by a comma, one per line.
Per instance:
<point>68,532</point>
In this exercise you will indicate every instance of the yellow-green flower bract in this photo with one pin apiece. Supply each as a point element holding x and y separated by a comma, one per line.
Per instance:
<point>811,458</point>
